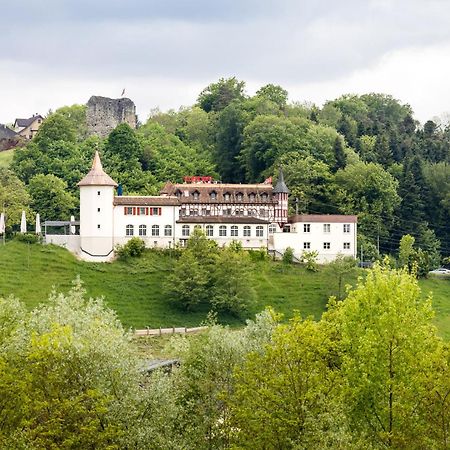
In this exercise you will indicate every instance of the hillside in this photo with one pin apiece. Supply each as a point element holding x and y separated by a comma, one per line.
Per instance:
<point>134,289</point>
<point>6,158</point>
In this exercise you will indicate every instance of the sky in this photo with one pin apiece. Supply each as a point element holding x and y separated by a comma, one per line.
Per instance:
<point>163,53</point>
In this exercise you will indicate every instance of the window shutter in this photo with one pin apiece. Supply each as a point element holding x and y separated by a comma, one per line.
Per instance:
<point>159,211</point>
<point>134,210</point>
<point>125,210</point>
<point>146,211</point>
<point>151,211</point>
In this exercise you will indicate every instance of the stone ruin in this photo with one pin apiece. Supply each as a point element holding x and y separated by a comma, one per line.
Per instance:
<point>104,114</point>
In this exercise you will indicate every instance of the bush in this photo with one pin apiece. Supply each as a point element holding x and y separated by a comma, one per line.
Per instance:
<point>288,256</point>
<point>27,238</point>
<point>133,248</point>
<point>310,260</point>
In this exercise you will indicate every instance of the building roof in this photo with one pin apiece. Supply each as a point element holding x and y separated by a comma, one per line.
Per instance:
<point>7,133</point>
<point>26,122</point>
<point>280,187</point>
<point>232,220</point>
<point>186,192</point>
<point>146,201</point>
<point>97,176</point>
<point>323,218</point>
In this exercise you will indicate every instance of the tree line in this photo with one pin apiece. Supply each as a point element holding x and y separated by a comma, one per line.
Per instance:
<point>372,373</point>
<point>358,154</point>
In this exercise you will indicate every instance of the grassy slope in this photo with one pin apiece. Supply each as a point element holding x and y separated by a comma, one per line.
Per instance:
<point>6,158</point>
<point>134,289</point>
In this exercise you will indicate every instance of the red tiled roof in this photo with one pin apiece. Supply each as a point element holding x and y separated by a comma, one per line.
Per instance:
<point>232,220</point>
<point>146,201</point>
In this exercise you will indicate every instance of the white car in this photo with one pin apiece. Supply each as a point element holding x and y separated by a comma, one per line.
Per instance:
<point>440,271</point>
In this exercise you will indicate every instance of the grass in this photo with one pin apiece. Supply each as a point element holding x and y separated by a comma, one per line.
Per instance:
<point>6,158</point>
<point>134,289</point>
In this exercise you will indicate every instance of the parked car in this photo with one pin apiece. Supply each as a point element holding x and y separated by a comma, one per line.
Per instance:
<point>440,271</point>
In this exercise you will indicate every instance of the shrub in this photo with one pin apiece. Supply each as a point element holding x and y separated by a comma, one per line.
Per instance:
<point>288,256</point>
<point>27,238</point>
<point>310,260</point>
<point>133,248</point>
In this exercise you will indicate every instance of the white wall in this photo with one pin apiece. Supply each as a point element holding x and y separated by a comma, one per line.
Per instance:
<point>317,237</point>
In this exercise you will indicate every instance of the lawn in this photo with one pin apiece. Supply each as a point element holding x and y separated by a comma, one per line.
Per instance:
<point>134,289</point>
<point>6,158</point>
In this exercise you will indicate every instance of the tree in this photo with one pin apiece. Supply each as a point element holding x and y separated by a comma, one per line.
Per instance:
<point>339,155</point>
<point>286,397</point>
<point>218,96</point>
<point>342,267</point>
<point>56,127</point>
<point>232,282</point>
<point>72,372</point>
<point>50,198</point>
<point>388,344</point>
<point>274,93</point>
<point>124,143</point>
<point>76,115</point>
<point>14,197</point>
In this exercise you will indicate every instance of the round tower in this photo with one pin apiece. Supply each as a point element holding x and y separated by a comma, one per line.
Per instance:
<point>96,213</point>
<point>281,194</point>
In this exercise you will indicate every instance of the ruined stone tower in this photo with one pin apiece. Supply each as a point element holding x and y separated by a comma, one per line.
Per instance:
<point>104,114</point>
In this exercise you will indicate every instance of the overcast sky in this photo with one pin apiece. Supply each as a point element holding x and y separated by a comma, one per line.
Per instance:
<point>60,52</point>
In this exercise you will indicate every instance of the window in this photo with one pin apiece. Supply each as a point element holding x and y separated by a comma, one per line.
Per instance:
<point>226,197</point>
<point>178,193</point>
<point>239,212</point>
<point>222,230</point>
<point>129,230</point>
<point>155,211</point>
<point>272,228</point>
<point>251,197</point>
<point>185,231</point>
<point>234,231</point>
<point>306,228</point>
<point>346,228</point>
<point>264,197</point>
<point>183,211</point>
<point>326,227</point>
<point>306,245</point>
<point>262,212</point>
<point>98,192</point>
<point>98,226</point>
<point>227,212</point>
<point>196,195</point>
<point>142,230</point>
<point>239,197</point>
<point>168,230</point>
<point>326,246</point>
<point>98,209</point>
<point>346,245</point>
<point>259,231</point>
<point>197,227</point>
<point>155,230</point>
<point>142,211</point>
<point>247,231</point>
<point>128,210</point>
<point>193,212</point>
<point>213,195</point>
<point>209,230</point>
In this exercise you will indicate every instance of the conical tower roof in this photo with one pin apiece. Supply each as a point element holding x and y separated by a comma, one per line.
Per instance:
<point>97,176</point>
<point>280,187</point>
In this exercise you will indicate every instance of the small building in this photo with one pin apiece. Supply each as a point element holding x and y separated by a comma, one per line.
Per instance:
<point>8,138</point>
<point>28,128</point>
<point>256,215</point>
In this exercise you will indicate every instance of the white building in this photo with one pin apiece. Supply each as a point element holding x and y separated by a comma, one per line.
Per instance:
<point>254,214</point>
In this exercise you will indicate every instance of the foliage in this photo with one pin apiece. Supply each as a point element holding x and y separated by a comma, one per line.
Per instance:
<point>50,198</point>
<point>27,238</point>
<point>341,267</point>
<point>133,248</point>
<point>14,197</point>
<point>309,259</point>
<point>217,96</point>
<point>288,256</point>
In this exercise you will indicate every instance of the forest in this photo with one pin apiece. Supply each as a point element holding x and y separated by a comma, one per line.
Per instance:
<point>357,154</point>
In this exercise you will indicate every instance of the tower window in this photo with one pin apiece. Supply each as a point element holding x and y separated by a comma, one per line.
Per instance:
<point>326,246</point>
<point>306,228</point>
<point>98,192</point>
<point>98,226</point>
<point>346,228</point>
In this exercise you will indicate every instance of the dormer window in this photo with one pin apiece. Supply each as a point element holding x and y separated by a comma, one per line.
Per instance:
<point>239,196</point>
<point>178,193</point>
<point>196,195</point>
<point>251,197</point>
<point>213,195</point>
<point>226,196</point>
<point>264,197</point>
